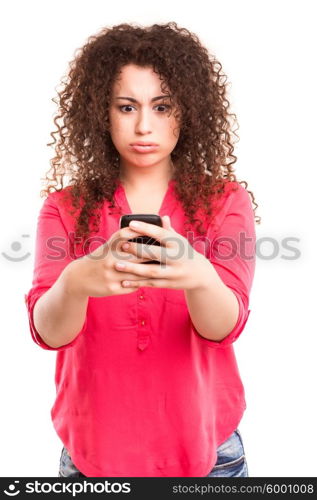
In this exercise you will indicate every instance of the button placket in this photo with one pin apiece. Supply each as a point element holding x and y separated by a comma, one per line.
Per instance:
<point>143,335</point>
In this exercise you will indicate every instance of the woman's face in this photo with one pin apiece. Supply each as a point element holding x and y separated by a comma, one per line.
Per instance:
<point>139,113</point>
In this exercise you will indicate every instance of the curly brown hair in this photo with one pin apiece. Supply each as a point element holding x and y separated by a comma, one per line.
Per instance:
<point>203,157</point>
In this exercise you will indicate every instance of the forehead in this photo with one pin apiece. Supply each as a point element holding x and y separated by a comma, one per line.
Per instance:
<point>135,80</point>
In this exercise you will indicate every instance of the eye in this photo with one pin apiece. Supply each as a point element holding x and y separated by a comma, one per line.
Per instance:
<point>167,106</point>
<point>125,106</point>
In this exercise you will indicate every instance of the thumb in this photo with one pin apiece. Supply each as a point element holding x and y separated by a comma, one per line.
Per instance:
<point>166,222</point>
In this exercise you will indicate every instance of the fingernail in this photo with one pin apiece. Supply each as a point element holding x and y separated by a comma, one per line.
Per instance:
<point>134,223</point>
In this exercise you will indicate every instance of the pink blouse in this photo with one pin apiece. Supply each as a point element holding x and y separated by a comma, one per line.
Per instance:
<point>139,392</point>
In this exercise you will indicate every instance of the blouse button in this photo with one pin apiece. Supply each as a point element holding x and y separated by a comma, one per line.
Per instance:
<point>142,322</point>
<point>141,297</point>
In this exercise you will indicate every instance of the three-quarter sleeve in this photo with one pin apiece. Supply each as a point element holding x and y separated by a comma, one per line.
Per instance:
<point>52,255</point>
<point>232,252</point>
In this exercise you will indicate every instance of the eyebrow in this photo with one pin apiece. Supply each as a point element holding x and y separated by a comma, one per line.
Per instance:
<point>157,98</point>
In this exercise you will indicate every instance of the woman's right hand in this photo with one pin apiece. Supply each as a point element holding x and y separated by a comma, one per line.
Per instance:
<point>95,274</point>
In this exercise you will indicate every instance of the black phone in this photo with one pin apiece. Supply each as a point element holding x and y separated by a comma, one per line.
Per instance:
<point>150,219</point>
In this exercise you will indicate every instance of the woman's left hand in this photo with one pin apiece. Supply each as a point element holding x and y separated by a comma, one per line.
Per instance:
<point>181,266</point>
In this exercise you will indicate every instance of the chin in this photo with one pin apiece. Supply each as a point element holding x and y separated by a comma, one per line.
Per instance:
<point>142,160</point>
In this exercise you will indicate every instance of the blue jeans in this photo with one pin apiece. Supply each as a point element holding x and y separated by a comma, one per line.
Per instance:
<point>231,461</point>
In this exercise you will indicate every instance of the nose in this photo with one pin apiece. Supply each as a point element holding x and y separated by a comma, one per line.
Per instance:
<point>143,125</point>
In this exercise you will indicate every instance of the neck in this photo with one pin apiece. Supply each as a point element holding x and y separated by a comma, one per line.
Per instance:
<point>144,179</point>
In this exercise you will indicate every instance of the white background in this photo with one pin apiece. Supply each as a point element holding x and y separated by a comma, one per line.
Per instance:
<point>267,49</point>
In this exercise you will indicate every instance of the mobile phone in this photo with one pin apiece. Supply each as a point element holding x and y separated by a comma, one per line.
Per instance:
<point>150,219</point>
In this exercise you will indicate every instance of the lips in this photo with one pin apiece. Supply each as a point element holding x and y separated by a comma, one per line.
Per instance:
<point>144,143</point>
<point>144,147</point>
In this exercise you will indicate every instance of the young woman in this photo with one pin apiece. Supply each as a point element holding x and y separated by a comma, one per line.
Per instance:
<point>146,375</point>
